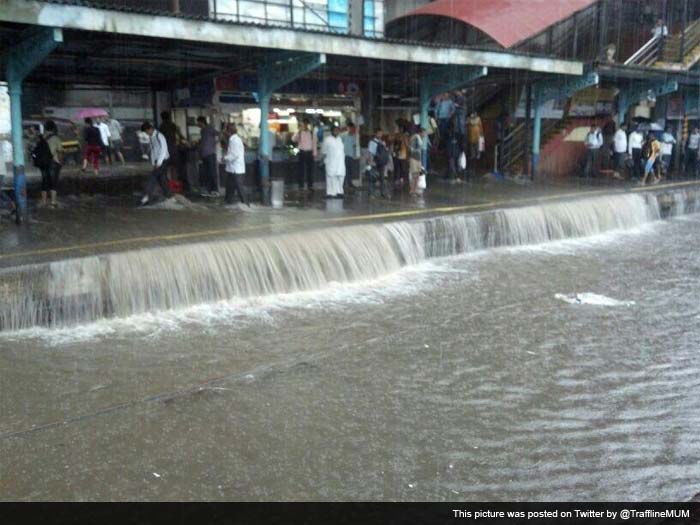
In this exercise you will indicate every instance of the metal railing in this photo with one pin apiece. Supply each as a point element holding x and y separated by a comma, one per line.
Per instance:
<point>647,54</point>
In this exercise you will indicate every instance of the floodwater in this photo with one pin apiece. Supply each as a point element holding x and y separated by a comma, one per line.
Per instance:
<point>562,371</point>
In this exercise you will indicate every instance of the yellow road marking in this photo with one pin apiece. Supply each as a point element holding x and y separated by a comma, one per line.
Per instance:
<point>371,216</point>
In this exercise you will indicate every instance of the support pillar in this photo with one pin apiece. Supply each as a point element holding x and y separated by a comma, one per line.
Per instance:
<point>528,120</point>
<point>277,70</point>
<point>622,107</point>
<point>536,129</point>
<point>34,46</point>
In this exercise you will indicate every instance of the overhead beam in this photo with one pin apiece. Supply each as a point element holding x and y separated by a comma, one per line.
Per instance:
<point>636,93</point>
<point>178,28</point>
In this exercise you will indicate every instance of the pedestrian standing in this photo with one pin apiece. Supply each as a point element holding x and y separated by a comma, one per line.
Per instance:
<point>305,141</point>
<point>445,109</point>
<point>6,201</point>
<point>380,156</point>
<point>333,153</point>
<point>691,153</point>
<point>401,154</point>
<point>594,141</point>
<point>475,134</point>
<point>634,149</point>
<point>172,136</point>
<point>115,131</point>
<point>144,144</point>
<point>668,141</point>
<point>207,152</point>
<point>49,176</point>
<point>349,139</point>
<point>105,137</point>
<point>159,162</point>
<point>235,166</point>
<point>93,146</point>
<point>660,30</point>
<point>650,151</point>
<point>620,149</point>
<point>415,164</point>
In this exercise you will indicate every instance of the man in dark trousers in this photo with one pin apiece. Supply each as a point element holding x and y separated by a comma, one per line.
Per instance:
<point>159,158</point>
<point>207,152</point>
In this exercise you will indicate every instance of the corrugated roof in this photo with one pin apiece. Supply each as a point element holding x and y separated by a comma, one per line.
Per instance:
<point>508,22</point>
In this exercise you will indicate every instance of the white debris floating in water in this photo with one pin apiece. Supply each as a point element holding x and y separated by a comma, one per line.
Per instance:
<point>592,299</point>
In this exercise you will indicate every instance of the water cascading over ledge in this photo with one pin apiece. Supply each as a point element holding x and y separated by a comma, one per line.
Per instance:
<point>156,279</point>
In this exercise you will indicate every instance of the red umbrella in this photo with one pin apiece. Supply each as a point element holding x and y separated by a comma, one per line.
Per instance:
<point>90,112</point>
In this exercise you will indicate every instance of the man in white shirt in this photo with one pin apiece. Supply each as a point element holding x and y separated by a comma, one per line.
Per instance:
<point>333,152</point>
<point>235,166</point>
<point>594,141</point>
<point>620,148</point>
<point>667,143</point>
<point>106,137</point>
<point>660,30</point>
<point>691,153</point>
<point>635,141</point>
<point>159,156</point>
<point>115,132</point>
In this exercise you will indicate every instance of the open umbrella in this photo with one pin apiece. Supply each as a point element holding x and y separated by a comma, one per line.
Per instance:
<point>90,112</point>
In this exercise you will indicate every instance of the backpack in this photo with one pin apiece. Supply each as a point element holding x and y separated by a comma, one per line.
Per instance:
<point>381,157</point>
<point>41,154</point>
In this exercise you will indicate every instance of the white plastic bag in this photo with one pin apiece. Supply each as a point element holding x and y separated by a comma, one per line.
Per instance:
<point>421,184</point>
<point>482,144</point>
<point>462,161</point>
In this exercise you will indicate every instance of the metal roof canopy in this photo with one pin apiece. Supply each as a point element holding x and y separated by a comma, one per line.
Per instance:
<point>507,22</point>
<point>110,59</point>
<point>129,24</point>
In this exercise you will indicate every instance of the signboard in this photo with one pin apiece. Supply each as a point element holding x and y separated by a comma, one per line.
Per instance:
<point>593,101</point>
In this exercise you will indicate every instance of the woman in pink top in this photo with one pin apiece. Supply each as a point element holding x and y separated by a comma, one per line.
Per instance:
<point>304,139</point>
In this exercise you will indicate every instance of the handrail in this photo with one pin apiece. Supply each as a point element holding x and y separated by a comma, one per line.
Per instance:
<point>651,48</point>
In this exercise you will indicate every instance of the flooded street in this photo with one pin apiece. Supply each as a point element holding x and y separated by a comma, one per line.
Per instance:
<point>481,376</point>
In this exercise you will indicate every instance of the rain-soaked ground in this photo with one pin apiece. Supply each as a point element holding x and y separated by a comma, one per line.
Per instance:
<point>108,220</point>
<point>475,378</point>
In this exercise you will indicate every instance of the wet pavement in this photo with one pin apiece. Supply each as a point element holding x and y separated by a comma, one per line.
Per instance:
<point>109,220</point>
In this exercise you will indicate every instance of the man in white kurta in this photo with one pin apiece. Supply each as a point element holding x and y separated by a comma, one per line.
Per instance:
<point>333,152</point>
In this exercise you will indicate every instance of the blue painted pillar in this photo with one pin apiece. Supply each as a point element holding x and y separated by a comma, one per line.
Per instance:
<point>622,107</point>
<point>277,70</point>
<point>536,129</point>
<point>34,45</point>
<point>425,96</point>
<point>20,180</point>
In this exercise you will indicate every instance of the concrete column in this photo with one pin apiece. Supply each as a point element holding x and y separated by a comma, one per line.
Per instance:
<point>425,96</point>
<point>20,181</point>
<point>537,129</point>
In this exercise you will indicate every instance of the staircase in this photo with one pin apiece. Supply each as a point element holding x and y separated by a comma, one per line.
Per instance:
<point>680,51</point>
<point>512,151</point>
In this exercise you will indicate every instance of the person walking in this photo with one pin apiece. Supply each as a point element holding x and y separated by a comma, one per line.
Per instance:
<point>115,131</point>
<point>159,157</point>
<point>620,149</point>
<point>306,142</point>
<point>650,151</point>
<point>349,139</point>
<point>635,141</point>
<point>207,152</point>
<point>668,141</point>
<point>105,137</point>
<point>50,174</point>
<point>691,153</point>
<point>660,30</point>
<point>93,146</point>
<point>333,153</point>
<point>235,166</point>
<point>402,155</point>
